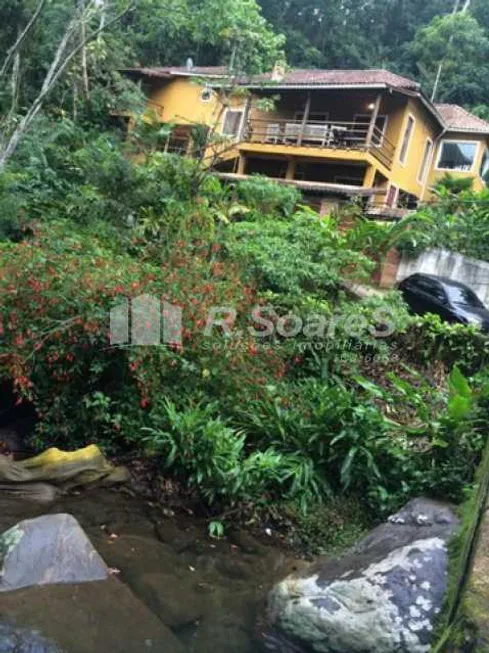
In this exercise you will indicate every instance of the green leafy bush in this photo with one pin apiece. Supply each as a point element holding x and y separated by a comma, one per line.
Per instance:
<point>58,287</point>
<point>428,338</point>
<point>212,457</point>
<point>303,254</point>
<point>88,229</point>
<point>457,221</point>
<point>267,197</point>
<point>363,443</point>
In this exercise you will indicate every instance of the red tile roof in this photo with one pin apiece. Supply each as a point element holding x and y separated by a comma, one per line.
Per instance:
<point>459,119</point>
<point>454,117</point>
<point>313,77</point>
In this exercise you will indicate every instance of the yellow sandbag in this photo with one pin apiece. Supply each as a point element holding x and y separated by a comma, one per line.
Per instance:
<point>60,466</point>
<point>54,456</point>
<point>63,469</point>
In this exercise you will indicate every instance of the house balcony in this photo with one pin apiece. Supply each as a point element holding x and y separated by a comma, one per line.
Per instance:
<point>327,139</point>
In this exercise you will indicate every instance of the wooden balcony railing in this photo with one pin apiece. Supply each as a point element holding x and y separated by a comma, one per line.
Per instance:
<point>332,135</point>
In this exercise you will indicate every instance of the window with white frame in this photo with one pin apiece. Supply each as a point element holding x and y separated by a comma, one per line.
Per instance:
<point>232,122</point>
<point>406,141</point>
<point>457,155</point>
<point>484,170</point>
<point>423,169</point>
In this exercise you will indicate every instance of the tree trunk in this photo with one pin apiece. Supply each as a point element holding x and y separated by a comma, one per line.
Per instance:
<point>84,63</point>
<point>18,43</point>
<point>61,60</point>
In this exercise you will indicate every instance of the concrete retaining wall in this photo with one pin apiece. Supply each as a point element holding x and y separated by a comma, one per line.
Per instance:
<point>444,263</point>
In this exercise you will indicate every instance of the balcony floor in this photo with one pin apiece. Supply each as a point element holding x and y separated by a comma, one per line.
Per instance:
<point>313,186</point>
<point>357,154</point>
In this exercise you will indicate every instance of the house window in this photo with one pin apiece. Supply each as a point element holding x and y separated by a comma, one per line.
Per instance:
<point>428,148</point>
<point>484,171</point>
<point>457,155</point>
<point>232,122</point>
<point>362,123</point>
<point>406,140</point>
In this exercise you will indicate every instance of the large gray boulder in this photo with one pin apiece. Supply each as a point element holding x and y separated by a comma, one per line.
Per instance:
<point>19,640</point>
<point>382,597</point>
<point>48,550</point>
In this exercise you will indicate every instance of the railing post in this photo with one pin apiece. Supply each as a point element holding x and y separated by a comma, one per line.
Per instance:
<point>373,120</point>
<point>305,119</point>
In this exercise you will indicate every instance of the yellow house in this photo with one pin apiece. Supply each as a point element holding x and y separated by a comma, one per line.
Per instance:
<point>334,134</point>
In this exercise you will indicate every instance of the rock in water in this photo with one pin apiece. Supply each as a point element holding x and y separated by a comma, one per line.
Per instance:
<point>48,550</point>
<point>383,597</point>
<point>16,640</point>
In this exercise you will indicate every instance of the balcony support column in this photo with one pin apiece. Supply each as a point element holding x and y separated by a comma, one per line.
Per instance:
<point>368,180</point>
<point>291,166</point>
<point>241,165</point>
<point>243,132</point>
<point>373,120</point>
<point>305,119</point>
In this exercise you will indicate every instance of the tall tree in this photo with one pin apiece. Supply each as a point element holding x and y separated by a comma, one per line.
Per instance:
<point>462,44</point>
<point>211,31</point>
<point>348,33</point>
<point>68,46</point>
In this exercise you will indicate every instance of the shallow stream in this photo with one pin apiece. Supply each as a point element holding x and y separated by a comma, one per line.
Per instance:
<point>173,588</point>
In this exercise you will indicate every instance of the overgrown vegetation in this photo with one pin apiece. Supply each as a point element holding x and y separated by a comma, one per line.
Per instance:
<point>295,393</point>
<point>283,392</point>
<point>457,221</point>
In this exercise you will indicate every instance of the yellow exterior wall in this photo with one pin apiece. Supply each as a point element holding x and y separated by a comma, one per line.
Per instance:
<point>179,100</point>
<point>405,176</point>
<point>436,174</point>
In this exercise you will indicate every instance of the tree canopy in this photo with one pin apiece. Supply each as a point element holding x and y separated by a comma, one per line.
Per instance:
<point>418,38</point>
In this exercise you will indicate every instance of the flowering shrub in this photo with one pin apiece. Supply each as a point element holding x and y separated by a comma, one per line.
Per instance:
<point>58,288</point>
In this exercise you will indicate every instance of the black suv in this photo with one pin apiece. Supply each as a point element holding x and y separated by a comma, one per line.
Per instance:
<point>451,300</point>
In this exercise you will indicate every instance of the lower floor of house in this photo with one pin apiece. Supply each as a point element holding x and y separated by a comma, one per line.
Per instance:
<point>327,183</point>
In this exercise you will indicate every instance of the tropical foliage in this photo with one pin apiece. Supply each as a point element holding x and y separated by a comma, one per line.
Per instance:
<point>282,388</point>
<point>458,221</point>
<point>293,391</point>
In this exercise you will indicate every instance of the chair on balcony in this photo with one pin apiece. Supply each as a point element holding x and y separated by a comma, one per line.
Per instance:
<point>341,136</point>
<point>292,132</point>
<point>316,134</point>
<point>273,133</point>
